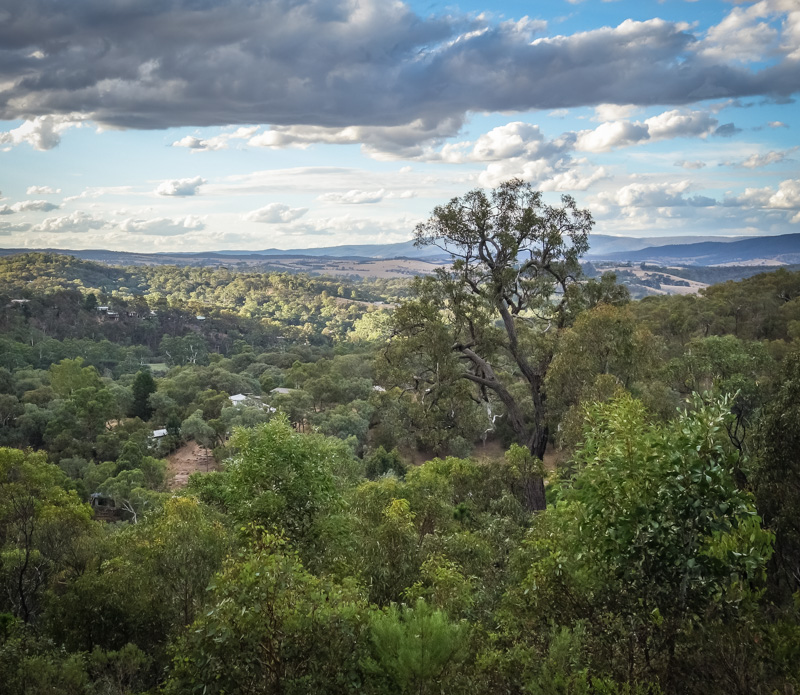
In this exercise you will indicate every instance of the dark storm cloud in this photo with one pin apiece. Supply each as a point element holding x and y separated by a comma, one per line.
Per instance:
<point>335,63</point>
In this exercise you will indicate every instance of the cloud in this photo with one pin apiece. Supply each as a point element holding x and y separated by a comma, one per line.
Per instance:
<point>34,205</point>
<point>380,142</point>
<point>28,206</point>
<point>6,229</point>
<point>358,197</point>
<point>398,78</point>
<point>610,135</point>
<point>42,190</point>
<point>218,142</point>
<point>99,191</point>
<point>347,228</point>
<point>741,35</point>
<point>685,164</point>
<point>777,124</point>
<point>574,180</point>
<point>756,161</point>
<point>728,130</point>
<point>42,132</point>
<point>657,195</point>
<point>786,197</point>
<point>613,112</point>
<point>512,140</point>
<point>680,124</point>
<point>275,213</point>
<point>180,187</point>
<point>77,221</point>
<point>670,124</point>
<point>355,197</point>
<point>163,226</point>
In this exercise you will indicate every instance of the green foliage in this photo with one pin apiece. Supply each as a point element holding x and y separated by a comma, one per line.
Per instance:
<point>777,479</point>
<point>282,479</point>
<point>417,646</point>
<point>41,522</point>
<point>272,627</point>
<point>653,531</point>
<point>380,462</point>
<point>143,386</point>
<point>69,376</point>
<point>288,571</point>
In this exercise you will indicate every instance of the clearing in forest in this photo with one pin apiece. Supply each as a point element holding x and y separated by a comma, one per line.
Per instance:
<point>190,458</point>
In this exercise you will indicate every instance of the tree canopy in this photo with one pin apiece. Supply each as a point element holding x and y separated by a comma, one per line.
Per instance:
<point>491,317</point>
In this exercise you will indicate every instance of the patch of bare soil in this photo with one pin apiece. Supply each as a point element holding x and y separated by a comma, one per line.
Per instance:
<point>492,449</point>
<point>190,458</point>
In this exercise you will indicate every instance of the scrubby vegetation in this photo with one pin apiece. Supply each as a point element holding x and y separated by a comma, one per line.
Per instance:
<point>355,537</point>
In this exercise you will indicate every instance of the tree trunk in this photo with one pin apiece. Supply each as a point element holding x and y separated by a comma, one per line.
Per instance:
<point>533,498</point>
<point>532,482</point>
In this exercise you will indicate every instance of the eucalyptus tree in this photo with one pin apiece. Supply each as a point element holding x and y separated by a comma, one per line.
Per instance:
<point>491,318</point>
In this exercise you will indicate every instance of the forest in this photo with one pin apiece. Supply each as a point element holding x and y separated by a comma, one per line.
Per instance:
<point>504,477</point>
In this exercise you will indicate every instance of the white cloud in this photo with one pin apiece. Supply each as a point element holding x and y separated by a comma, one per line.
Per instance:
<point>217,142</point>
<point>28,206</point>
<point>355,197</point>
<point>574,180</point>
<point>6,229</point>
<point>675,123</point>
<point>42,190</point>
<point>165,226</point>
<point>359,197</point>
<point>42,132</point>
<point>680,123</point>
<point>614,112</point>
<point>660,194</point>
<point>786,197</point>
<point>77,221</point>
<point>34,205</point>
<point>275,213</point>
<point>346,228</point>
<point>610,135</point>
<point>742,35</point>
<point>180,187</point>
<point>98,192</point>
<point>690,164</point>
<point>756,161</point>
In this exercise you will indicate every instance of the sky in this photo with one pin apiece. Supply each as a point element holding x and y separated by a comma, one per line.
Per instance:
<point>193,125</point>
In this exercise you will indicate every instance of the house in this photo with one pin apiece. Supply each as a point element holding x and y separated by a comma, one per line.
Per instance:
<point>157,434</point>
<point>281,391</point>
<point>250,400</point>
<point>104,508</point>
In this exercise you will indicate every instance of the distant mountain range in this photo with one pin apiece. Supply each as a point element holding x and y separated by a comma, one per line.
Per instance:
<point>691,250</point>
<point>767,250</point>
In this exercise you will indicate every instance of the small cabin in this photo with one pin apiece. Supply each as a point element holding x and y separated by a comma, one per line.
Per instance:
<point>104,508</point>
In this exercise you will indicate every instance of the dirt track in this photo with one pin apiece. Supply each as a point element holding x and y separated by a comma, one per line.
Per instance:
<point>190,458</point>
